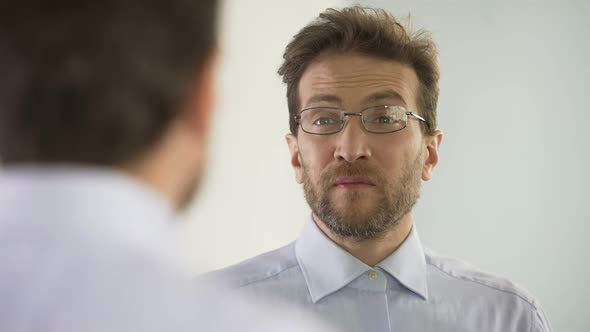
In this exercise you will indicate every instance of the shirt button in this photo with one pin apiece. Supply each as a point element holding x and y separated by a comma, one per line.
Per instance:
<point>373,275</point>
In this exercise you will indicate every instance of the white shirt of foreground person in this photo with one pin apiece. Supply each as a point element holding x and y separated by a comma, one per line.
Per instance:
<point>94,250</point>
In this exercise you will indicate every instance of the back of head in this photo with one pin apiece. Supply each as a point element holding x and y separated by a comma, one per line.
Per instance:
<point>96,82</point>
<point>365,31</point>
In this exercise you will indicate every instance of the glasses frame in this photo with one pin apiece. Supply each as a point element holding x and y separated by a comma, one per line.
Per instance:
<point>344,120</point>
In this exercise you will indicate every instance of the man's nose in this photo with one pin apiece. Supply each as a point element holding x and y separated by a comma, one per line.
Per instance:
<point>352,141</point>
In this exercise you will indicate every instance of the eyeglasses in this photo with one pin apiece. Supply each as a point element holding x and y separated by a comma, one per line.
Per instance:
<point>377,119</point>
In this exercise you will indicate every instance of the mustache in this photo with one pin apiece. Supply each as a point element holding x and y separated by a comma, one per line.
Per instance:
<point>345,169</point>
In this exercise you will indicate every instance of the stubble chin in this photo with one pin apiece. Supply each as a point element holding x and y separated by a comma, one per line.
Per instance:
<point>361,215</point>
<point>354,207</point>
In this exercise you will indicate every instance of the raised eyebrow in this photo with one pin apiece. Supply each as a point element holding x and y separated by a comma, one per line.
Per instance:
<point>326,98</point>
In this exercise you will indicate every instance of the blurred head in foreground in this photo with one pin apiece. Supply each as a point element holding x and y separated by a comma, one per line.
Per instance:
<point>117,84</point>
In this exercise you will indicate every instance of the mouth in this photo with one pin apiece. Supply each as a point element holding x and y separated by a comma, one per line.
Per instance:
<point>354,182</point>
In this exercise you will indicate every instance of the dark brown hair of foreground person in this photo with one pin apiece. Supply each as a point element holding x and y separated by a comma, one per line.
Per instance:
<point>366,31</point>
<point>96,81</point>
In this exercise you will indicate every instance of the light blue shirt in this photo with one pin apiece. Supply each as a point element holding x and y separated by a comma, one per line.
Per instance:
<point>93,250</point>
<point>411,290</point>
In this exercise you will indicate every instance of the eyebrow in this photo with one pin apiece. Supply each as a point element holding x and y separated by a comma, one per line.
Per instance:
<point>375,97</point>
<point>326,98</point>
<point>385,94</point>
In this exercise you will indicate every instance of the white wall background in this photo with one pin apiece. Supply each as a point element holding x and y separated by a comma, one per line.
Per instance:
<point>511,192</point>
<point>249,202</point>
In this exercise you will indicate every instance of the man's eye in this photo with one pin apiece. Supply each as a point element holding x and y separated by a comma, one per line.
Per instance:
<point>324,122</point>
<point>385,120</point>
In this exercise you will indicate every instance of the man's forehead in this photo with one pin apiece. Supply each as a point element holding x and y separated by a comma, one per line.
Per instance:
<point>337,78</point>
<point>380,95</point>
<point>351,64</point>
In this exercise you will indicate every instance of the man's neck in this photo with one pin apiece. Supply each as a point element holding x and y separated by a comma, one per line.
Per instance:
<point>373,251</point>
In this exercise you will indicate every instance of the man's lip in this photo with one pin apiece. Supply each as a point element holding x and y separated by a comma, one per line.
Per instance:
<point>354,180</point>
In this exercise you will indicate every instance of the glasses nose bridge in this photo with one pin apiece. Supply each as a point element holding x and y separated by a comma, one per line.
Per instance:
<point>352,113</point>
<point>345,116</point>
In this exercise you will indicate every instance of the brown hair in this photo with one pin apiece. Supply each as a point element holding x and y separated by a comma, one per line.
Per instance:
<point>368,31</point>
<point>96,82</point>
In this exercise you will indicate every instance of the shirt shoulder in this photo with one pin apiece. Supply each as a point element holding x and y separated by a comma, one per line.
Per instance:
<point>462,271</point>
<point>501,294</point>
<point>255,269</point>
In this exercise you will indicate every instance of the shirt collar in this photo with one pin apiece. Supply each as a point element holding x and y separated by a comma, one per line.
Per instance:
<point>327,267</point>
<point>408,265</point>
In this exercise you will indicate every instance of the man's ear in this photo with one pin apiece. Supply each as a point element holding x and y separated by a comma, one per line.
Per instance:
<point>200,101</point>
<point>296,162</point>
<point>431,154</point>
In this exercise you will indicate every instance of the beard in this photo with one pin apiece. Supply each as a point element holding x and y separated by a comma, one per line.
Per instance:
<point>395,198</point>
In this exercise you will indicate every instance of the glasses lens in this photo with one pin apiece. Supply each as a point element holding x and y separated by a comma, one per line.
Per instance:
<point>321,120</point>
<point>385,119</point>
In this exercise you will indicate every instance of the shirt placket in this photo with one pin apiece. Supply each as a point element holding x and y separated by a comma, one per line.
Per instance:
<point>373,304</point>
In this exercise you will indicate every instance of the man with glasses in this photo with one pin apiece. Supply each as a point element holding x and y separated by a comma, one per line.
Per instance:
<point>362,94</point>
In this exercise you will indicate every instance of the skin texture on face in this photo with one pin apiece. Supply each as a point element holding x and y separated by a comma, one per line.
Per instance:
<point>360,185</point>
